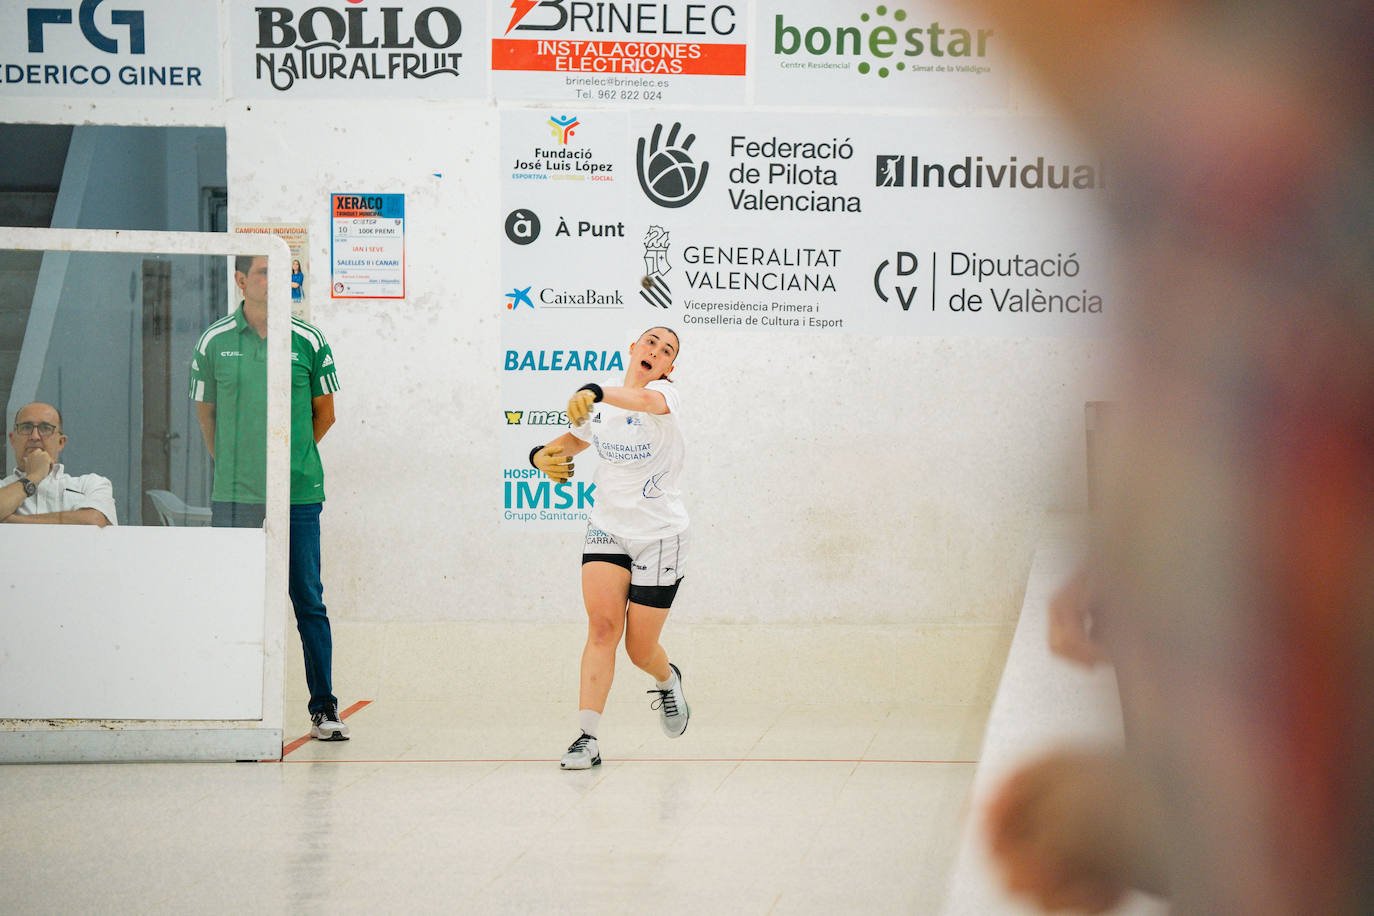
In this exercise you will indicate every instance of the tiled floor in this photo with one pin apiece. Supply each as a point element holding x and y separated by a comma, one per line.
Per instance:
<point>440,808</point>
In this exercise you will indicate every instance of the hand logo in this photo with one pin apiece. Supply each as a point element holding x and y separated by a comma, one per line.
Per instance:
<point>668,174</point>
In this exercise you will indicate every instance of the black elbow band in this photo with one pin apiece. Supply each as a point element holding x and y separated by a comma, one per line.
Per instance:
<point>534,451</point>
<point>595,389</point>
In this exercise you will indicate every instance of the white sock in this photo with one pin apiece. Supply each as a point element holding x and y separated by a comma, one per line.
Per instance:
<point>668,684</point>
<point>590,720</point>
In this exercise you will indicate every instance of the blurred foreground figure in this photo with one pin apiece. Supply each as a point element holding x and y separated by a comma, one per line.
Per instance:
<point>1232,580</point>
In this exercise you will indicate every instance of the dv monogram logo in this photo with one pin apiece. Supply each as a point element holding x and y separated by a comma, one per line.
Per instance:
<point>907,263</point>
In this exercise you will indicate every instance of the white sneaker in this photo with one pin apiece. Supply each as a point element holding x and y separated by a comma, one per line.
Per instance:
<point>327,726</point>
<point>582,754</point>
<point>672,707</point>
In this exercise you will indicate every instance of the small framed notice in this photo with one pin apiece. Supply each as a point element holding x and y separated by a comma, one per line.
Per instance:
<point>297,238</point>
<point>367,246</point>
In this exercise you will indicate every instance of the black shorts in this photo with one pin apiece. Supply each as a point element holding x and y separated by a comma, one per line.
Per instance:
<point>656,566</point>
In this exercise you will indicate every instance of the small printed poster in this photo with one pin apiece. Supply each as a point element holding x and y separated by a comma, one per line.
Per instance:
<point>367,246</point>
<point>296,237</point>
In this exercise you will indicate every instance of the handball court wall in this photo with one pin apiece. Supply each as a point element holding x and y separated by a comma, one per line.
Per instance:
<point>865,508</point>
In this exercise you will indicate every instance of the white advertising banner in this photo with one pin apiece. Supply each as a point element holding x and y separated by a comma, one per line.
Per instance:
<point>943,226</point>
<point>567,271</point>
<point>163,49</point>
<point>777,223</point>
<point>307,49</point>
<point>632,54</point>
<point>904,54</point>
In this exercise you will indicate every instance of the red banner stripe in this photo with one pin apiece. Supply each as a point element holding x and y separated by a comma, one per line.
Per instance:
<point>622,58</point>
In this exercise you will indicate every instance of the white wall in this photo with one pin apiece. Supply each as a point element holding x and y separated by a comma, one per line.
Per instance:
<point>845,479</point>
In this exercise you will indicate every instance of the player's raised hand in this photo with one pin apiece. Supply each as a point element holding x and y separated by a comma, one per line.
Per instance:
<point>580,406</point>
<point>552,461</point>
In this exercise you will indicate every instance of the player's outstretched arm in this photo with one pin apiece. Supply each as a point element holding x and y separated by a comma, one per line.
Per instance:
<point>556,458</point>
<point>643,400</point>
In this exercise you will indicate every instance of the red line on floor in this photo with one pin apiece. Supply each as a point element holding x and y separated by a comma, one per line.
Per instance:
<point>648,760</point>
<point>301,741</point>
<point>288,748</point>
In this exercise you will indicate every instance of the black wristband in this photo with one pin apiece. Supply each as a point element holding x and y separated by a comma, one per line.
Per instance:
<point>595,389</point>
<point>534,451</point>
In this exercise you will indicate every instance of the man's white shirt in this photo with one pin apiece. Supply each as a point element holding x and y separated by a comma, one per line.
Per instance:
<point>61,492</point>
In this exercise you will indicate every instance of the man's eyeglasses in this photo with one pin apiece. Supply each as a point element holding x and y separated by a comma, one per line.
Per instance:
<point>26,429</point>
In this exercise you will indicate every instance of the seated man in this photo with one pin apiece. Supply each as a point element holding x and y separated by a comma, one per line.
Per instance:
<point>40,492</point>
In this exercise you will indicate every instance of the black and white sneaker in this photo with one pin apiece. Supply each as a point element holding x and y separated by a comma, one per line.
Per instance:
<point>327,726</point>
<point>672,706</point>
<point>582,754</point>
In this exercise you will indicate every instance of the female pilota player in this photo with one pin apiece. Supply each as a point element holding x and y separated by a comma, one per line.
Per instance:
<point>636,542</point>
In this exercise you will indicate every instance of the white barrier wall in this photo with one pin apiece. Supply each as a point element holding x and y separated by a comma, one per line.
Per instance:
<point>1043,704</point>
<point>858,478</point>
<point>165,644</point>
<point>139,643</point>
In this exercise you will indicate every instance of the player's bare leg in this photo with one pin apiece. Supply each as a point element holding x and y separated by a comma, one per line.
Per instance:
<point>642,629</point>
<point>644,624</point>
<point>605,590</point>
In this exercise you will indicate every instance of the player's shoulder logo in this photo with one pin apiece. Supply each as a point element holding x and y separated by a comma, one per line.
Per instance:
<point>653,488</point>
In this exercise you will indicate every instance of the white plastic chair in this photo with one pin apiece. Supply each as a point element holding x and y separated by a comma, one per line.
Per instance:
<point>174,511</point>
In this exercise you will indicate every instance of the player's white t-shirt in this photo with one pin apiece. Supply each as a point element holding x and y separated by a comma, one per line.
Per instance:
<point>637,493</point>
